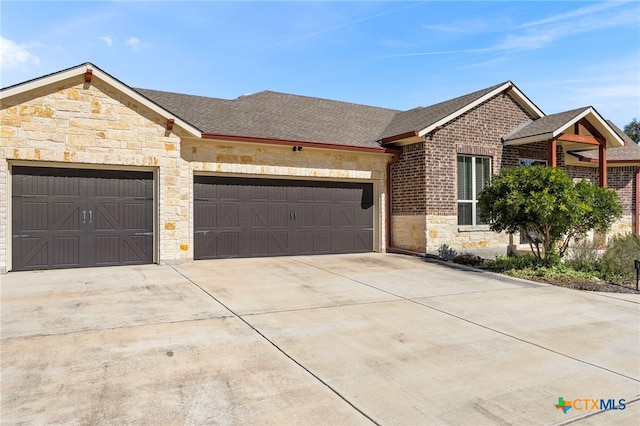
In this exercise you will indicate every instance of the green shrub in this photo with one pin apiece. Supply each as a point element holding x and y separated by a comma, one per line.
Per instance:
<point>447,253</point>
<point>467,259</point>
<point>584,255</point>
<point>617,263</point>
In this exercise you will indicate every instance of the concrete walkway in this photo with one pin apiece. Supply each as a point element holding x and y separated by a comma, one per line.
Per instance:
<point>348,339</point>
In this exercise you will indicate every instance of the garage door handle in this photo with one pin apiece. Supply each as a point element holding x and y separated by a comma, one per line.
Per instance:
<point>292,214</point>
<point>143,233</point>
<point>90,212</point>
<point>202,232</point>
<point>84,216</point>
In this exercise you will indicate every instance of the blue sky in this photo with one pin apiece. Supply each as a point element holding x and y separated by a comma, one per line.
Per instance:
<point>563,55</point>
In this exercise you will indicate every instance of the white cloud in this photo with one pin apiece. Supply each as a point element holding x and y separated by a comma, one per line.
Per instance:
<point>587,10</point>
<point>541,33</point>
<point>14,55</point>
<point>134,42</point>
<point>108,40</point>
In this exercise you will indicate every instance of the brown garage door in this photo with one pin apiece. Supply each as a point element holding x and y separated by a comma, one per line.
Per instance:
<point>244,217</point>
<point>72,218</point>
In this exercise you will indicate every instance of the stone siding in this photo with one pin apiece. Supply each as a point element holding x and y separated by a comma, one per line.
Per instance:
<point>73,124</point>
<point>444,230</point>
<point>409,232</point>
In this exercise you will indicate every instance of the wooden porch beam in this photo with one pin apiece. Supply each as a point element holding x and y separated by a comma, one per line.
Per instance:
<point>552,149</point>
<point>602,164</point>
<point>591,140</point>
<point>584,122</point>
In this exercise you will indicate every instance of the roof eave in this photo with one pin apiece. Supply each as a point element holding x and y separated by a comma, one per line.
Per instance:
<point>614,137</point>
<point>529,139</point>
<point>594,162</point>
<point>294,143</point>
<point>407,135</point>
<point>80,70</point>
<point>508,88</point>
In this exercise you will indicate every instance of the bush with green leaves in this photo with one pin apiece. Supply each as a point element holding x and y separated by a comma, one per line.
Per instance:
<point>447,253</point>
<point>617,263</point>
<point>467,259</point>
<point>546,208</point>
<point>584,255</point>
<point>511,263</point>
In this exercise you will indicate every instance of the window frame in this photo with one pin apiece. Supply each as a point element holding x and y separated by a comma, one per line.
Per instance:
<point>472,191</point>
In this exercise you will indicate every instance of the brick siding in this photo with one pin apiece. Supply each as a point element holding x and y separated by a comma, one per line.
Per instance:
<point>477,132</point>
<point>408,192</point>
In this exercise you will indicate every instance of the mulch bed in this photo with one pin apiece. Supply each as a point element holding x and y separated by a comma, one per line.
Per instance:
<point>589,285</point>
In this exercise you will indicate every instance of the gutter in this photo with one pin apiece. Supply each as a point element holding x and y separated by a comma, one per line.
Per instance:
<point>294,143</point>
<point>389,240</point>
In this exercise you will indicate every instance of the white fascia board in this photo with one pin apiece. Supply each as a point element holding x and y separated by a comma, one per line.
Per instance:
<point>41,82</point>
<point>604,127</point>
<point>477,102</point>
<point>574,120</point>
<point>600,124</point>
<point>522,99</point>
<point>98,73</point>
<point>144,101</point>
<point>529,139</point>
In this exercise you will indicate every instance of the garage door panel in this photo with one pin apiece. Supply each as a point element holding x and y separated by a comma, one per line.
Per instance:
<point>105,216</point>
<point>66,251</point>
<point>80,217</point>
<point>266,243</point>
<point>66,216</point>
<point>206,214</point>
<point>135,216</point>
<point>33,250</point>
<point>281,217</point>
<point>35,217</point>
<point>136,249</point>
<point>229,216</point>
<point>107,248</point>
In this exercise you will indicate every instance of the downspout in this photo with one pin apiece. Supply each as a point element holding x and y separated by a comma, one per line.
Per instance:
<point>636,222</point>
<point>390,248</point>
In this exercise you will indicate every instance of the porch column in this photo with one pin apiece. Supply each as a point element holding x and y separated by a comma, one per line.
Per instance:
<point>602,164</point>
<point>551,152</point>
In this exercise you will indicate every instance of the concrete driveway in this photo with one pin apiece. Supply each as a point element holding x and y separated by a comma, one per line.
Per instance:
<point>341,339</point>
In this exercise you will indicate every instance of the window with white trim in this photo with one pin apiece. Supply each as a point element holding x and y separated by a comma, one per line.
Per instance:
<point>474,173</point>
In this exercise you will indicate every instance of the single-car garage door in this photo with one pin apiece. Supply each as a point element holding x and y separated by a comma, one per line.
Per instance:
<point>72,218</point>
<point>248,217</point>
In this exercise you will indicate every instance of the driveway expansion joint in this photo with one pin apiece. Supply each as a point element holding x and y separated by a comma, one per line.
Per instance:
<point>279,349</point>
<point>476,323</point>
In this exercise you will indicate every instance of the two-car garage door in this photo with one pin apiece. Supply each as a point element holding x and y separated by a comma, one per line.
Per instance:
<point>250,217</point>
<point>70,218</point>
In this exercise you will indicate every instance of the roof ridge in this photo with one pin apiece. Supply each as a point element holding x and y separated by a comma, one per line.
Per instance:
<point>263,92</point>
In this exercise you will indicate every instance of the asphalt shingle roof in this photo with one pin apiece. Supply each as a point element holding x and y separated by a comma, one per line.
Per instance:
<point>545,125</point>
<point>627,140</point>
<point>419,118</point>
<point>279,116</point>
<point>291,117</point>
<point>619,153</point>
